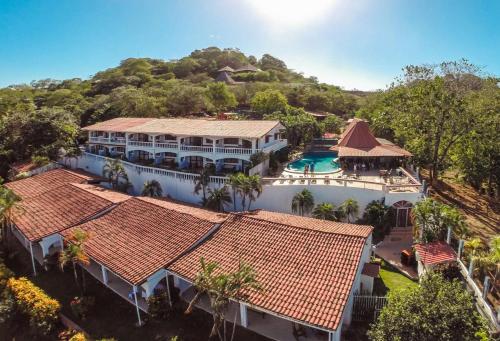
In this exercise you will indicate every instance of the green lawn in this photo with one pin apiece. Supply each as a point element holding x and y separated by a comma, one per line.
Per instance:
<point>391,279</point>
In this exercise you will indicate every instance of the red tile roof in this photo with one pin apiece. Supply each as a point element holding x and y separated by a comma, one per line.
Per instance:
<point>435,253</point>
<point>358,141</point>
<point>57,209</point>
<point>142,235</point>
<point>47,181</point>
<point>306,269</point>
<point>118,124</point>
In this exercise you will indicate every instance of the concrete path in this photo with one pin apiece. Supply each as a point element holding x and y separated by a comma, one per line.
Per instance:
<point>390,250</point>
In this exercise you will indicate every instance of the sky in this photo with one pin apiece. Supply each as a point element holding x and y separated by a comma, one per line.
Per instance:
<point>356,44</point>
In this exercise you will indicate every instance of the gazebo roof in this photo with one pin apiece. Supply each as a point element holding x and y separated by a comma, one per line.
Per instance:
<point>226,69</point>
<point>357,140</point>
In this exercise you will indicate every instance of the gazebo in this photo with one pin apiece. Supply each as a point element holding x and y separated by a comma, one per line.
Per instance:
<point>359,149</point>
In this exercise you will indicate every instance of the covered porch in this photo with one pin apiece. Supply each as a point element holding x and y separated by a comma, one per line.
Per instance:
<point>261,322</point>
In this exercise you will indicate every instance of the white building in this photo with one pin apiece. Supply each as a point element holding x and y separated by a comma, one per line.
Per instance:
<point>185,143</point>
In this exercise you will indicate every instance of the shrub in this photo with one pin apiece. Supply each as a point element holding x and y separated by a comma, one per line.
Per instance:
<point>79,337</point>
<point>257,158</point>
<point>32,302</point>
<point>449,271</point>
<point>5,274</point>
<point>158,306</point>
<point>39,161</point>
<point>80,306</point>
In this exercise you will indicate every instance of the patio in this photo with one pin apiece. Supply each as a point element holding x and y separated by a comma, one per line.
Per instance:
<point>390,250</point>
<point>262,323</point>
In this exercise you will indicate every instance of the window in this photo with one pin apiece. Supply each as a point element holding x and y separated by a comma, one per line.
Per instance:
<point>268,138</point>
<point>276,136</point>
<point>231,160</point>
<point>209,141</point>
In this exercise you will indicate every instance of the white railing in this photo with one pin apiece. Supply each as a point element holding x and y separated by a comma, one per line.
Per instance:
<point>140,144</point>
<point>99,139</point>
<point>275,146</point>
<point>202,149</point>
<point>166,145</point>
<point>234,150</point>
<point>120,140</point>
<point>159,171</point>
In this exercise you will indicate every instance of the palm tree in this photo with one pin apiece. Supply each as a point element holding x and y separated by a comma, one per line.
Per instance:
<point>303,202</point>
<point>222,288</point>
<point>114,171</point>
<point>152,189</point>
<point>494,255</point>
<point>202,181</point>
<point>255,188</point>
<point>350,208</point>
<point>218,198</point>
<point>235,181</point>
<point>8,202</point>
<point>74,252</point>
<point>325,211</point>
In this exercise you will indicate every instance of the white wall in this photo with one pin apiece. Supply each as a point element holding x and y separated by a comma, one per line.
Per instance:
<point>277,198</point>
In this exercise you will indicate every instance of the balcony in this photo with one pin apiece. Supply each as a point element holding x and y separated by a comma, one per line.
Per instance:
<point>107,140</point>
<point>140,144</point>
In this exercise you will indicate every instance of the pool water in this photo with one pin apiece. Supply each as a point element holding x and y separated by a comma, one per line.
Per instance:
<point>323,163</point>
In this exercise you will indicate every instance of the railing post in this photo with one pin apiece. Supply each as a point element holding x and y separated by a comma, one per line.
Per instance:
<point>460,248</point>
<point>448,236</point>
<point>486,286</point>
<point>471,267</point>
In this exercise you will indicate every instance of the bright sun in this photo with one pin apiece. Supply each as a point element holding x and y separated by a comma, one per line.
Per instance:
<point>291,13</point>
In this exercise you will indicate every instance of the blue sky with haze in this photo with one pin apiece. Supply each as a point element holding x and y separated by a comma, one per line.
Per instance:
<point>355,44</point>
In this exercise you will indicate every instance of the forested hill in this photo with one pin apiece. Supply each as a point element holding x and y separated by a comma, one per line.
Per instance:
<point>153,87</point>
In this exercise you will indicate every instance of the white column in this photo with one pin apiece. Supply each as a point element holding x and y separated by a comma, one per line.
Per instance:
<point>137,306</point>
<point>253,146</point>
<point>169,297</point>
<point>104,274</point>
<point>460,248</point>
<point>32,259</point>
<point>448,236</point>
<point>243,315</point>
<point>486,286</point>
<point>471,267</point>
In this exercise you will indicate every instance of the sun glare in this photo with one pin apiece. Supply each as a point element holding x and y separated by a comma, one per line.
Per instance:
<point>291,13</point>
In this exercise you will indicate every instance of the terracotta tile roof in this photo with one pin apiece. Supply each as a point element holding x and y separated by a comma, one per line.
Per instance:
<point>47,181</point>
<point>23,166</point>
<point>371,270</point>
<point>358,141</point>
<point>306,273</point>
<point>311,223</point>
<point>119,124</point>
<point>139,237</point>
<point>57,209</point>
<point>193,127</point>
<point>435,253</point>
<point>112,196</point>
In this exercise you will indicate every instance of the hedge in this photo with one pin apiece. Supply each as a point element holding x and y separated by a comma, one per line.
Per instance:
<point>33,302</point>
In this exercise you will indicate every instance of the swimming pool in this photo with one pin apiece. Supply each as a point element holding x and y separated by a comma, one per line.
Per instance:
<point>323,163</point>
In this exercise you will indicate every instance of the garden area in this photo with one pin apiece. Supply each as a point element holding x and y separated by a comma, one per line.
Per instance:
<point>391,279</point>
<point>101,322</point>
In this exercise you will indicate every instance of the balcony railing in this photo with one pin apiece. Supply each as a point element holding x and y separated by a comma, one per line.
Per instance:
<point>207,149</point>
<point>140,144</point>
<point>100,139</point>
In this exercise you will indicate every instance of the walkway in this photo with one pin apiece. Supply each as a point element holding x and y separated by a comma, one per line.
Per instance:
<point>390,250</point>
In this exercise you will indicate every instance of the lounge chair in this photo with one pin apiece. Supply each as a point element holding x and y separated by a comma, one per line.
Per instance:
<point>327,180</point>
<point>302,180</point>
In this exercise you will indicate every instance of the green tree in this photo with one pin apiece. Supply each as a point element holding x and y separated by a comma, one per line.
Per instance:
<point>152,189</point>
<point>300,126</point>
<point>435,310</point>
<point>350,209</point>
<point>332,124</point>
<point>218,198</point>
<point>251,188</point>
<point>202,181</point>
<point>115,174</point>
<point>9,201</point>
<point>220,97</point>
<point>221,288</point>
<point>379,216</point>
<point>74,253</point>
<point>235,181</point>
<point>268,102</point>
<point>303,202</point>
<point>325,211</point>
<point>433,218</point>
